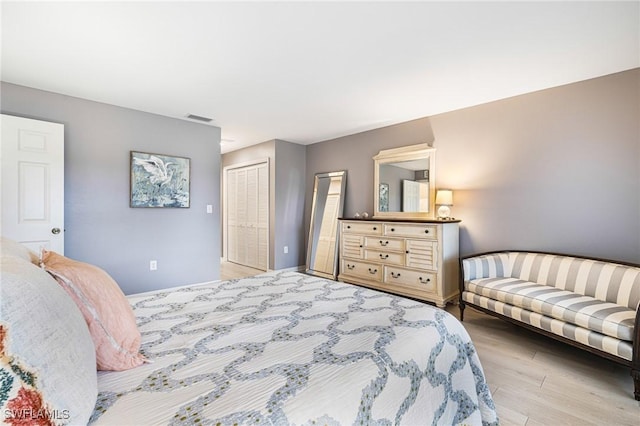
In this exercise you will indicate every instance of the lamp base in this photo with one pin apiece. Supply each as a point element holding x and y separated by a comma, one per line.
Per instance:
<point>444,212</point>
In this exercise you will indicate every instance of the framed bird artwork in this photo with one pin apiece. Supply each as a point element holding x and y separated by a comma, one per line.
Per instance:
<point>159,180</point>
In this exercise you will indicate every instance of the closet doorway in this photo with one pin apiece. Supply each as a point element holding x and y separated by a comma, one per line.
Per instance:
<point>247,214</point>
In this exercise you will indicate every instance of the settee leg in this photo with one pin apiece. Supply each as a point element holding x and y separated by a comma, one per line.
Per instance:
<point>636,384</point>
<point>461,306</point>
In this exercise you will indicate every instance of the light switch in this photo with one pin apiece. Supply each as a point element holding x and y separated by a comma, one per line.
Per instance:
<point>209,208</point>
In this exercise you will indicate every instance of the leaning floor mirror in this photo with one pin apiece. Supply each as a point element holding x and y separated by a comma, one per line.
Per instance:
<point>327,206</point>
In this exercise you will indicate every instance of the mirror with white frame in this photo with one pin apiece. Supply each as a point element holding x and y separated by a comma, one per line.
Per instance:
<point>327,206</point>
<point>404,182</point>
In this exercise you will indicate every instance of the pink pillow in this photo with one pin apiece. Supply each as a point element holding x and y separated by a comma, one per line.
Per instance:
<point>105,308</point>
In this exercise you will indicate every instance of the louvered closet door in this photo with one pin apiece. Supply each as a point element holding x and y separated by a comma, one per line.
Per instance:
<point>241,214</point>
<point>248,215</point>
<point>251,228</point>
<point>263,216</point>
<point>232,215</point>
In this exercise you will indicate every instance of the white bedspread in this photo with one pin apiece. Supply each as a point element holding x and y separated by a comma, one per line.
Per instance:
<point>288,348</point>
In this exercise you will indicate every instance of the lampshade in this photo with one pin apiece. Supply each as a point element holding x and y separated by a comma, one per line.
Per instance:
<point>444,197</point>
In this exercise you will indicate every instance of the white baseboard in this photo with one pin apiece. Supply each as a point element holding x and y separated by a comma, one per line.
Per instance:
<point>299,268</point>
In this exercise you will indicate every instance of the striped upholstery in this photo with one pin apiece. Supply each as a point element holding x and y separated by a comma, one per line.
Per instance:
<point>619,348</point>
<point>584,311</point>
<point>487,266</point>
<point>609,282</point>
<point>589,301</point>
<point>605,281</point>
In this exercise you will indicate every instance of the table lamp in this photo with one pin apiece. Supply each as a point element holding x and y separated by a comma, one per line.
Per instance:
<point>444,198</point>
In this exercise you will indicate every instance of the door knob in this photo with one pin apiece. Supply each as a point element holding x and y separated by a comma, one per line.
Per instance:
<point>55,231</point>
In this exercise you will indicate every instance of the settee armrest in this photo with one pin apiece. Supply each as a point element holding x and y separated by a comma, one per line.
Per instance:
<point>486,265</point>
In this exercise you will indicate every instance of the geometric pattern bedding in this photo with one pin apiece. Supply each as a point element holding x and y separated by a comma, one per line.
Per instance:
<point>287,348</point>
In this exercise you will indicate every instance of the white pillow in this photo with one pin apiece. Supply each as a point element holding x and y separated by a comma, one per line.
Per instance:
<point>47,357</point>
<point>12,248</point>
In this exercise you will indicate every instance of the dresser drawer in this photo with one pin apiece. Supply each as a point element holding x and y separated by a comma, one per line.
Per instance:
<point>416,230</point>
<point>391,244</point>
<point>423,281</point>
<point>386,257</point>
<point>364,270</point>
<point>365,228</point>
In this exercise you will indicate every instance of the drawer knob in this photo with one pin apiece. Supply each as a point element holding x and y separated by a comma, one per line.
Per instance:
<point>375,229</point>
<point>407,251</point>
<point>350,266</point>
<point>360,245</point>
<point>394,275</point>
<point>392,229</point>
<point>373,271</point>
<point>426,231</point>
<point>384,243</point>
<point>423,281</point>
<point>384,256</point>
<point>348,226</point>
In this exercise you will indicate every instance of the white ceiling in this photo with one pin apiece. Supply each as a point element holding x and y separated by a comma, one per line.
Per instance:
<point>311,71</point>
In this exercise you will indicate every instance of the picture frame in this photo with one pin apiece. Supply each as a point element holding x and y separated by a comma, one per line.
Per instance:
<point>383,199</point>
<point>159,180</point>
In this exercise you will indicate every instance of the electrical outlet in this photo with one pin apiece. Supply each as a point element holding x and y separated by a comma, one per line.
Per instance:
<point>209,208</point>
<point>286,249</point>
<point>153,265</point>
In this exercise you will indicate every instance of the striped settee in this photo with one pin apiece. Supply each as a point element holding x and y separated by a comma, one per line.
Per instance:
<point>590,303</point>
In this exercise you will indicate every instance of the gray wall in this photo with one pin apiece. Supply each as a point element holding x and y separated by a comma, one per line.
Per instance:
<point>286,197</point>
<point>100,227</point>
<point>290,168</point>
<point>354,154</point>
<point>554,170</point>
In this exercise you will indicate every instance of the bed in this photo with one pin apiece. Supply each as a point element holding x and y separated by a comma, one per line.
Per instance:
<point>280,348</point>
<point>288,348</point>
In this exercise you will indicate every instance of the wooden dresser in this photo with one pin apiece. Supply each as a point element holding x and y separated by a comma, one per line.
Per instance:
<point>419,259</point>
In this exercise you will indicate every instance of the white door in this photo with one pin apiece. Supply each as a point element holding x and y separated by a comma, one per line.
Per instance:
<point>247,217</point>
<point>262,222</point>
<point>232,227</point>
<point>32,183</point>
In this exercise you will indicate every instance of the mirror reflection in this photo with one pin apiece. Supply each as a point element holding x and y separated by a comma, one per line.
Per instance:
<point>404,182</point>
<point>327,206</point>
<point>404,186</point>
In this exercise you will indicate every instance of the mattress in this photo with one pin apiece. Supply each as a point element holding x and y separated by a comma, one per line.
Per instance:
<point>284,348</point>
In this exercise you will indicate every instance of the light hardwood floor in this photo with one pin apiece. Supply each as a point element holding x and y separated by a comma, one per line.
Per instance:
<point>535,380</point>
<point>230,270</point>
<point>538,381</point>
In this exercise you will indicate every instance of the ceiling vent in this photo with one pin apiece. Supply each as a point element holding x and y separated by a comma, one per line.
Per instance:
<point>199,118</point>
